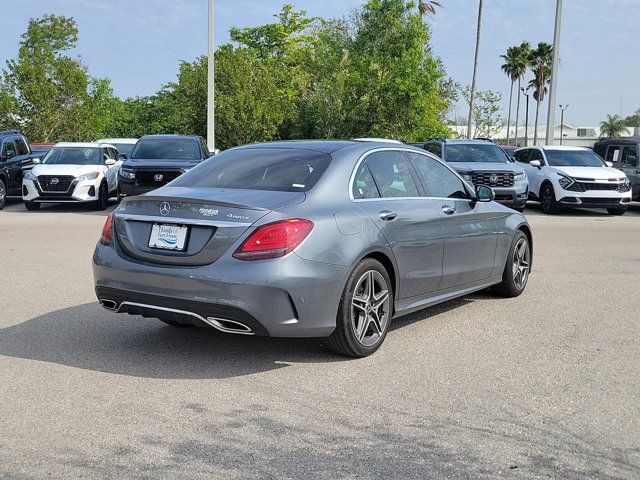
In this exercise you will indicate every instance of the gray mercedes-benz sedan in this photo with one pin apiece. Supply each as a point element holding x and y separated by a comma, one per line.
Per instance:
<point>309,239</point>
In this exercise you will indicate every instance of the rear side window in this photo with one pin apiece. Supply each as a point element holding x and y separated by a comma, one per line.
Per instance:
<point>434,148</point>
<point>7,146</point>
<point>363,184</point>
<point>629,156</point>
<point>613,153</point>
<point>438,181</point>
<point>391,174</point>
<point>21,146</point>
<point>522,156</point>
<point>275,169</point>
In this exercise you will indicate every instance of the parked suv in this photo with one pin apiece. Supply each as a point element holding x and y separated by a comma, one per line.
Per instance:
<point>482,162</point>
<point>158,159</point>
<point>623,155</point>
<point>561,176</point>
<point>71,173</point>
<point>15,158</point>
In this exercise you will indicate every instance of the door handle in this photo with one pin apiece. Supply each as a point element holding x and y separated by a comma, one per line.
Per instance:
<point>448,209</point>
<point>388,215</point>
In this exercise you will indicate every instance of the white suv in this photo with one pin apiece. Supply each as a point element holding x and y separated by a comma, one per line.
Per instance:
<point>71,173</point>
<point>573,177</point>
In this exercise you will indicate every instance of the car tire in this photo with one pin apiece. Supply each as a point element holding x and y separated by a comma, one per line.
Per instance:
<point>548,199</point>
<point>517,267</point>
<point>617,211</point>
<point>31,206</point>
<point>103,197</point>
<point>3,194</point>
<point>364,312</point>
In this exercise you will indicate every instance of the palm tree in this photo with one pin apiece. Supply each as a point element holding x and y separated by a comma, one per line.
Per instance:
<point>428,6</point>
<point>612,127</point>
<point>475,70</point>
<point>509,67</point>
<point>521,64</point>
<point>540,60</point>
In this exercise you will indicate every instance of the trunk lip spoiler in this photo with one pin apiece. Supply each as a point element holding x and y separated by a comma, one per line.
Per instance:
<point>180,220</point>
<point>162,198</point>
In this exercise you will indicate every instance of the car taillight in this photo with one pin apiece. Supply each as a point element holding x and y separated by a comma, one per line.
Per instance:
<point>274,240</point>
<point>107,231</point>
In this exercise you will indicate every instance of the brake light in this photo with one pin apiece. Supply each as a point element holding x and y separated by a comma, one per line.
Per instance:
<point>107,231</point>
<point>274,240</point>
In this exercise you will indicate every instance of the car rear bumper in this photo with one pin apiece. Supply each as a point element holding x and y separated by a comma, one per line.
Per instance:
<point>285,297</point>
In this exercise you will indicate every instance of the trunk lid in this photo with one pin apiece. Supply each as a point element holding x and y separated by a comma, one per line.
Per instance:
<point>215,219</point>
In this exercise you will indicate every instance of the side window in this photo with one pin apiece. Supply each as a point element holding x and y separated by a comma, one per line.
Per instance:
<point>437,180</point>
<point>21,146</point>
<point>629,156</point>
<point>613,153</point>
<point>363,184</point>
<point>391,174</point>
<point>6,146</point>
<point>434,148</point>
<point>522,156</point>
<point>536,155</point>
<point>205,149</point>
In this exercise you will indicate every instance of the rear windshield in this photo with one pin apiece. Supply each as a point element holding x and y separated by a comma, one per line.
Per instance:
<point>167,149</point>
<point>276,169</point>
<point>489,153</point>
<point>573,158</point>
<point>73,156</point>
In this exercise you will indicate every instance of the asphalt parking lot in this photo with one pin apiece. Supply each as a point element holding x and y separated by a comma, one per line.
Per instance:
<point>544,385</point>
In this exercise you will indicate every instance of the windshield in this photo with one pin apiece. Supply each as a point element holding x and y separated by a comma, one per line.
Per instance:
<point>473,152</point>
<point>276,169</point>
<point>166,149</point>
<point>124,147</point>
<point>73,156</point>
<point>573,158</point>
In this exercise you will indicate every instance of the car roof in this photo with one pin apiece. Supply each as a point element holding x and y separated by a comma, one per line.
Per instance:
<point>168,136</point>
<point>324,146</point>
<point>83,144</point>
<point>117,140</point>
<point>622,141</point>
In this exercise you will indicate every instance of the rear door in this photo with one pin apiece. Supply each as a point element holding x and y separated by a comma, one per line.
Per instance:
<point>112,170</point>
<point>16,153</point>
<point>387,190</point>
<point>629,165</point>
<point>470,236</point>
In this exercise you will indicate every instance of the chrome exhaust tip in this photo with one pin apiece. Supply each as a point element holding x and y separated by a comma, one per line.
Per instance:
<point>229,326</point>
<point>109,304</point>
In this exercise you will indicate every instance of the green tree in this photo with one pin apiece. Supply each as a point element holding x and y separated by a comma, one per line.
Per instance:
<point>521,63</point>
<point>633,120</point>
<point>486,112</point>
<point>612,127</point>
<point>510,68</point>
<point>46,84</point>
<point>540,62</point>
<point>428,6</point>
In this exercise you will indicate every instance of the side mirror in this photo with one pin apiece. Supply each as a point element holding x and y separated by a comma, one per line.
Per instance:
<point>484,193</point>
<point>35,161</point>
<point>122,156</point>
<point>609,164</point>
<point>535,163</point>
<point>109,162</point>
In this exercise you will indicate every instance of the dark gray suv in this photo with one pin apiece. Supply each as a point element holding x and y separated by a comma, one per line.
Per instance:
<point>482,162</point>
<point>623,154</point>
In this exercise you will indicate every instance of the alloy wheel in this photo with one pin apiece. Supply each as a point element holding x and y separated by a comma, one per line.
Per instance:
<point>370,308</point>
<point>521,263</point>
<point>3,192</point>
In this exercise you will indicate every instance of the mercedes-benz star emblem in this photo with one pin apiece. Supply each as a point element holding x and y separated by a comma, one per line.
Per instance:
<point>54,181</point>
<point>165,208</point>
<point>493,178</point>
<point>158,177</point>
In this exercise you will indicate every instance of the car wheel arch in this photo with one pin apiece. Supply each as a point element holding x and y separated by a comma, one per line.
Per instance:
<point>543,184</point>
<point>388,265</point>
<point>527,231</point>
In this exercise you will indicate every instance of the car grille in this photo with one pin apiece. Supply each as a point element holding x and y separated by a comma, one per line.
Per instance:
<point>55,183</point>
<point>493,179</point>
<point>599,186</point>
<point>603,201</point>
<point>148,178</point>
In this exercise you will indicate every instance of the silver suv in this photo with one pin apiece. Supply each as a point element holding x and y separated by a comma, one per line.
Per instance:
<point>482,162</point>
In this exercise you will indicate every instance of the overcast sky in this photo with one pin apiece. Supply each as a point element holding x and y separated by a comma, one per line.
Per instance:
<point>139,43</point>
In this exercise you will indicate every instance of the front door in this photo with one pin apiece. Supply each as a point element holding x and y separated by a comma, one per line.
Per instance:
<point>629,165</point>
<point>387,191</point>
<point>16,156</point>
<point>470,237</point>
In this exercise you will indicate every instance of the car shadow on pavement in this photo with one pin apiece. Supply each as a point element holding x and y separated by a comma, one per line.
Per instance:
<point>14,204</point>
<point>88,337</point>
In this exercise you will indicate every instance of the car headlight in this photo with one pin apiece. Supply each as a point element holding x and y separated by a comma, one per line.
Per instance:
<point>565,182</point>
<point>129,174</point>
<point>87,176</point>
<point>518,177</point>
<point>467,177</point>
<point>30,176</point>
<point>624,186</point>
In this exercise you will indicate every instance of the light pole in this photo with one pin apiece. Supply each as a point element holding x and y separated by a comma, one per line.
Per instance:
<point>551,112</point>
<point>562,109</point>
<point>211,107</point>
<point>525,92</point>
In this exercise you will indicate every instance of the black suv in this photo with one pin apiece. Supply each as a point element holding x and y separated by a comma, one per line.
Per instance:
<point>623,154</point>
<point>15,158</point>
<point>158,159</point>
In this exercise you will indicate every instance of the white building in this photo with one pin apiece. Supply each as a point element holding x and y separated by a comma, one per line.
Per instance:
<point>577,136</point>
